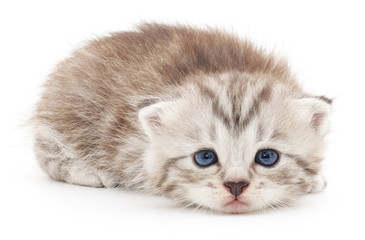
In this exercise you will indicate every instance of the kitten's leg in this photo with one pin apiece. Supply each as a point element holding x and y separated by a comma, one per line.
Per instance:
<point>60,162</point>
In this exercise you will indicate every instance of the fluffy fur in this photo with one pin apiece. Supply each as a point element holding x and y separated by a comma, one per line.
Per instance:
<point>131,109</point>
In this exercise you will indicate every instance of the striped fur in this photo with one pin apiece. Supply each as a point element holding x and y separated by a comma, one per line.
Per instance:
<point>131,109</point>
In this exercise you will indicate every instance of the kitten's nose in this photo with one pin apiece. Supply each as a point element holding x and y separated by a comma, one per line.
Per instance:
<point>236,188</point>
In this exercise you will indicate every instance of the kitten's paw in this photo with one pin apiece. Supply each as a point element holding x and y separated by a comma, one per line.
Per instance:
<point>318,185</point>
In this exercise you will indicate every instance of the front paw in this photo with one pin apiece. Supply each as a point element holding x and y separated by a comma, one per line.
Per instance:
<point>318,185</point>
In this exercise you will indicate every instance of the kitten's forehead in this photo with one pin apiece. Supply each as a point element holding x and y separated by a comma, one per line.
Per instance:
<point>237,99</point>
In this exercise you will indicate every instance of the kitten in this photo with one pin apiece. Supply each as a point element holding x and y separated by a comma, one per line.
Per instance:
<point>198,116</point>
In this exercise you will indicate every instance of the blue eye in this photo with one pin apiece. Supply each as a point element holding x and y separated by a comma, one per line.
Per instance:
<point>205,158</point>
<point>266,157</point>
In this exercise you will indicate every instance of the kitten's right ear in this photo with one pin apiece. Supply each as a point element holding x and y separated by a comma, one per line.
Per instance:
<point>152,117</point>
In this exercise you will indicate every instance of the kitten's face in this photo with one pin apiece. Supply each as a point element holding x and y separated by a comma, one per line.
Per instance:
<point>233,117</point>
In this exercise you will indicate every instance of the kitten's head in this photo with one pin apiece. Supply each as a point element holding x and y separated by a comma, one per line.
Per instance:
<point>235,142</point>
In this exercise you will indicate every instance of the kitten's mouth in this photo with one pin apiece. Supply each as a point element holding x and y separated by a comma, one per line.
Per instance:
<point>235,203</point>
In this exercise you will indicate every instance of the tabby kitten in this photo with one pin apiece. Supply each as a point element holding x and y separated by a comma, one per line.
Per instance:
<point>198,116</point>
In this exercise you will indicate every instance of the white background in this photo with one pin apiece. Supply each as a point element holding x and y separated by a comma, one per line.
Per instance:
<point>324,41</point>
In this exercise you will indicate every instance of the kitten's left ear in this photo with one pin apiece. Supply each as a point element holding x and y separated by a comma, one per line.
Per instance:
<point>152,117</point>
<point>315,112</point>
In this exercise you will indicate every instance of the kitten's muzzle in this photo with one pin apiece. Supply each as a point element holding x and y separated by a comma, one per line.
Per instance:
<point>236,188</point>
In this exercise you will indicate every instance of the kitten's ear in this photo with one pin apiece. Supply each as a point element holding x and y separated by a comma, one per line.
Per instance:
<point>315,112</point>
<point>152,117</point>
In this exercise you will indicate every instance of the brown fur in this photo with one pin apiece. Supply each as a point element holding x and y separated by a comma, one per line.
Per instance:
<point>166,55</point>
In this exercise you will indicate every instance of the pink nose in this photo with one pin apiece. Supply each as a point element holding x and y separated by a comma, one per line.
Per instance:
<point>236,188</point>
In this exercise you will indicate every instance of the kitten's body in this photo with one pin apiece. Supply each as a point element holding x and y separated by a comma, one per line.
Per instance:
<point>130,110</point>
